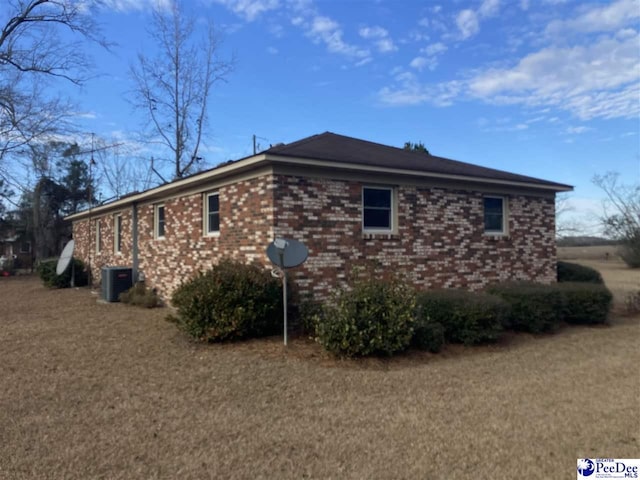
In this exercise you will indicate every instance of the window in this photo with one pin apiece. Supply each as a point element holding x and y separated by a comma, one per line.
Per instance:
<point>159,221</point>
<point>117,231</point>
<point>98,237</point>
<point>212,213</point>
<point>377,209</point>
<point>25,247</point>
<point>494,215</point>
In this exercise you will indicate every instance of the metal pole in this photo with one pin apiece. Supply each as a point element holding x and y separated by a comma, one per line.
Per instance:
<point>284,301</point>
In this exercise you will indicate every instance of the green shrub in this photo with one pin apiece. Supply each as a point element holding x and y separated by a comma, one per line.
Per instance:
<point>47,271</point>
<point>140,296</point>
<point>467,317</point>
<point>572,272</point>
<point>585,303</point>
<point>534,307</point>
<point>231,301</point>
<point>428,335</point>
<point>374,317</point>
<point>309,312</point>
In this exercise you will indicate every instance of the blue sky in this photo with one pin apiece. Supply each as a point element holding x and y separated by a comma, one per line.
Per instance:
<point>547,88</point>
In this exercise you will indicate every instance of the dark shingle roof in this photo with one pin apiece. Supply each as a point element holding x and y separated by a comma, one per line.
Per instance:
<point>339,148</point>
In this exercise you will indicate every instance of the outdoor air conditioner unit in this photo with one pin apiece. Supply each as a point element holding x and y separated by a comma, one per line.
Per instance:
<point>115,280</point>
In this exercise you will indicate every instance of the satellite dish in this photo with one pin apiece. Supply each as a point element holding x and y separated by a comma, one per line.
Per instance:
<point>286,253</point>
<point>65,257</point>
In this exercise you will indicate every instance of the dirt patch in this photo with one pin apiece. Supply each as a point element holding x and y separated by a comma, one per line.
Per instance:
<point>94,390</point>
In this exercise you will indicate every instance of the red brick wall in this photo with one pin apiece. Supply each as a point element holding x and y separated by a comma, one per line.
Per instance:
<point>440,240</point>
<point>246,228</point>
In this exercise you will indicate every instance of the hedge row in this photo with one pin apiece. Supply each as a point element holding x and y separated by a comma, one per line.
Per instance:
<point>373,318</point>
<point>376,317</point>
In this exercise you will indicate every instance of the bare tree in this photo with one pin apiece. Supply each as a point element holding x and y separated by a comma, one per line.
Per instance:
<point>621,218</point>
<point>566,226</point>
<point>121,169</point>
<point>33,52</point>
<point>173,88</point>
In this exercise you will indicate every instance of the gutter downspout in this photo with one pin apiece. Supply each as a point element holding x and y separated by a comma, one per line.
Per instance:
<point>134,237</point>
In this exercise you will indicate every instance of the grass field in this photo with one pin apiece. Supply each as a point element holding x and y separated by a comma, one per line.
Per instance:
<point>107,391</point>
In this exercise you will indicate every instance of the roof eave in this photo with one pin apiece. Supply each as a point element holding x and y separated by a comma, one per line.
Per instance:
<point>168,189</point>
<point>293,160</point>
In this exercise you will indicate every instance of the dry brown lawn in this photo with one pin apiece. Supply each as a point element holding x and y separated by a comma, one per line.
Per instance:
<point>92,390</point>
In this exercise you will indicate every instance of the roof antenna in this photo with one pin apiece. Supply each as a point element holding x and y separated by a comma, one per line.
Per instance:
<point>153,169</point>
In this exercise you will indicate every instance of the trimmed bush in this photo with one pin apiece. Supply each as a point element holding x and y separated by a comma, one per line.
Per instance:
<point>572,272</point>
<point>374,317</point>
<point>467,317</point>
<point>585,303</point>
<point>231,301</point>
<point>140,296</point>
<point>47,271</point>
<point>428,335</point>
<point>534,307</point>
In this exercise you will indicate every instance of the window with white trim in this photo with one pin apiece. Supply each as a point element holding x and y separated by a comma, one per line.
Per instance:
<point>212,213</point>
<point>117,232</point>
<point>377,209</point>
<point>494,215</point>
<point>159,221</point>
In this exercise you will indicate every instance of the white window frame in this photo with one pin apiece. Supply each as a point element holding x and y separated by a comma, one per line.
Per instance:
<point>156,221</point>
<point>504,230</point>
<point>98,236</point>
<point>117,233</point>
<point>207,231</point>
<point>392,213</point>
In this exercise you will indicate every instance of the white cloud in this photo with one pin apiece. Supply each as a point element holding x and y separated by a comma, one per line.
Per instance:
<point>467,22</point>
<point>272,50</point>
<point>489,8</point>
<point>596,80</point>
<point>419,63</point>
<point>577,130</point>
<point>373,32</point>
<point>554,73</point>
<point>434,49</point>
<point>323,29</point>
<point>250,10</point>
<point>429,59</point>
<point>409,91</point>
<point>381,38</point>
<point>135,5</point>
<point>599,19</point>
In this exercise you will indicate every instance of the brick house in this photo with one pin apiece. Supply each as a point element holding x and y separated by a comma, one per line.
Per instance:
<point>354,203</point>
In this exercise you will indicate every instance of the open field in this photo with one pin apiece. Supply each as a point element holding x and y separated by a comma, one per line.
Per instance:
<point>107,391</point>
<point>598,252</point>
<point>620,279</point>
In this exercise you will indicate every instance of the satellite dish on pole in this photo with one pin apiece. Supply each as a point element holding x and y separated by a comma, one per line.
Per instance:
<point>286,253</point>
<point>65,259</point>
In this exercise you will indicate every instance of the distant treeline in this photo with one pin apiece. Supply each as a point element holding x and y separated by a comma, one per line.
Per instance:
<point>585,241</point>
